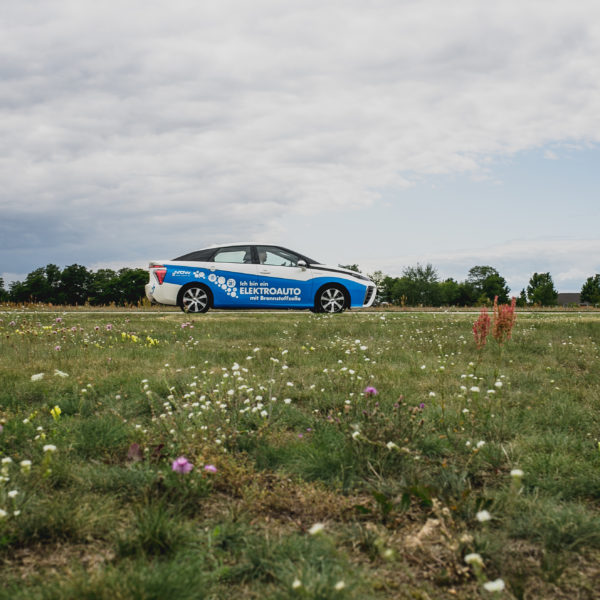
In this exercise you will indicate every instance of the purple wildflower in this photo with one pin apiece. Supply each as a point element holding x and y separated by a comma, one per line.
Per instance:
<point>108,326</point>
<point>422,405</point>
<point>370,391</point>
<point>210,468</point>
<point>182,465</point>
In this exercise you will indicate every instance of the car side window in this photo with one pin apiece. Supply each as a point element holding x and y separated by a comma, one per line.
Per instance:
<point>233,254</point>
<point>276,257</point>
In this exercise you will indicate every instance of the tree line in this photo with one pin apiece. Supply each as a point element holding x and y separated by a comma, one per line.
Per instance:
<point>77,285</point>
<point>421,285</point>
<point>418,285</point>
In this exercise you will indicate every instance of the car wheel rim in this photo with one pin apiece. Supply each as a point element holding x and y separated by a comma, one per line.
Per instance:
<point>332,300</point>
<point>194,300</point>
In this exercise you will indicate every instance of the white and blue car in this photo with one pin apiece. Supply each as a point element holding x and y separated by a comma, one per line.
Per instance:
<point>249,275</point>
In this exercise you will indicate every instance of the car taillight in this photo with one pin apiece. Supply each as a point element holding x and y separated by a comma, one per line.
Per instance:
<point>160,271</point>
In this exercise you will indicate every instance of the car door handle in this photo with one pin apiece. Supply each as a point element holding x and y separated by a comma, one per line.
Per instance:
<point>265,272</point>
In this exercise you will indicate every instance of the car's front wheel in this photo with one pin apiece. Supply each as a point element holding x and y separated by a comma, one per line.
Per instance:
<point>195,299</point>
<point>330,299</point>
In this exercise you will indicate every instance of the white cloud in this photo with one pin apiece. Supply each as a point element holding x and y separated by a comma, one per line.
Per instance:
<point>516,261</point>
<point>137,127</point>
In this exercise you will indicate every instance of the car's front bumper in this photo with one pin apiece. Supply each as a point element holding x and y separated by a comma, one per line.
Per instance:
<point>370,296</point>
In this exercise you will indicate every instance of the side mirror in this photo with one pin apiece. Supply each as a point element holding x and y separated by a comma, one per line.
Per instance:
<point>302,264</point>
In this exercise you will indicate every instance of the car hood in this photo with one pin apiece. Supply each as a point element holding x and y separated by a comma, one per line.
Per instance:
<point>322,267</point>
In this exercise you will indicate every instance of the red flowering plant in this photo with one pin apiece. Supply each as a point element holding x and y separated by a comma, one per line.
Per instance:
<point>481,328</point>
<point>504,320</point>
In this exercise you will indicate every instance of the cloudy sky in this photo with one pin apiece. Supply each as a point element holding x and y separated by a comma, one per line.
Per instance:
<point>383,133</point>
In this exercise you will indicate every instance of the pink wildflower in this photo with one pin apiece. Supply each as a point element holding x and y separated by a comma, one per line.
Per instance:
<point>57,348</point>
<point>108,326</point>
<point>370,391</point>
<point>210,468</point>
<point>182,465</point>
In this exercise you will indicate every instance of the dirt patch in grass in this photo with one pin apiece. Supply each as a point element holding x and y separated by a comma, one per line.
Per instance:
<point>56,559</point>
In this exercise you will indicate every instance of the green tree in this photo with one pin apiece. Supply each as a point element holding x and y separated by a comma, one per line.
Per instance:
<point>449,291</point>
<point>104,288</point>
<point>487,282</point>
<point>41,285</point>
<point>131,285</point>
<point>401,291</point>
<point>386,289</point>
<point>74,285</point>
<point>590,291</point>
<point>541,290</point>
<point>522,299</point>
<point>420,285</point>
<point>3,292</point>
<point>467,294</point>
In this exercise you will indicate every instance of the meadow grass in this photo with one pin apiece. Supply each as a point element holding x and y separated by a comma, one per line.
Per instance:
<point>304,485</point>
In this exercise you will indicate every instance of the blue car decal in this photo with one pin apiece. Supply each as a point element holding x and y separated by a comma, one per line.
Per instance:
<point>246,290</point>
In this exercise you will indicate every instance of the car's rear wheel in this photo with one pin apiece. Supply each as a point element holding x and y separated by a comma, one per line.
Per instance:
<point>330,298</point>
<point>195,299</point>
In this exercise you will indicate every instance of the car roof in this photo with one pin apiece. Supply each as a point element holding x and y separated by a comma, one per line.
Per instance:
<point>227,244</point>
<point>260,243</point>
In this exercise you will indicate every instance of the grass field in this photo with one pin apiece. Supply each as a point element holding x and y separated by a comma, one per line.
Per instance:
<point>360,455</point>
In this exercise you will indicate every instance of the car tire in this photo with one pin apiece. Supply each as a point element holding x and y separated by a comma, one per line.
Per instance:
<point>331,298</point>
<point>194,299</point>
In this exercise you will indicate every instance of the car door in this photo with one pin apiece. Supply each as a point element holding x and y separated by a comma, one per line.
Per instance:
<point>231,272</point>
<point>282,282</point>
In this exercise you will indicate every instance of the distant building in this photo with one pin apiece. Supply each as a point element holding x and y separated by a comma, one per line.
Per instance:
<point>570,298</point>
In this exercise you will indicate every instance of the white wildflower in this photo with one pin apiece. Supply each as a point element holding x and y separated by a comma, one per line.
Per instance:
<point>494,586</point>
<point>483,516</point>
<point>316,528</point>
